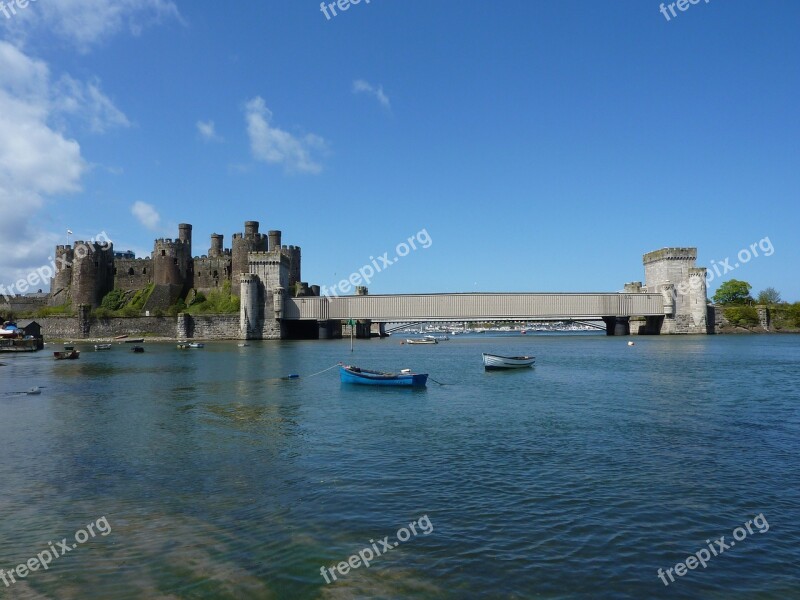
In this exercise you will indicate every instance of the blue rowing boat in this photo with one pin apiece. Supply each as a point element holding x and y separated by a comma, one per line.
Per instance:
<point>351,374</point>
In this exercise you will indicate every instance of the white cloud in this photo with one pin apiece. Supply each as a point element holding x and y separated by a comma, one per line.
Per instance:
<point>36,161</point>
<point>208,132</point>
<point>88,22</point>
<point>146,214</point>
<point>363,87</point>
<point>86,102</point>
<point>39,159</point>
<point>275,146</point>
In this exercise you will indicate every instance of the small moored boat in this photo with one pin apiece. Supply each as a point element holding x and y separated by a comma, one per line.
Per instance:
<point>196,345</point>
<point>137,349</point>
<point>353,374</point>
<point>135,341</point>
<point>67,355</point>
<point>495,361</point>
<point>102,347</point>
<point>422,341</point>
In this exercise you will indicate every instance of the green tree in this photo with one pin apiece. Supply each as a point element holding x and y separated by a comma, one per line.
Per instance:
<point>733,292</point>
<point>769,296</point>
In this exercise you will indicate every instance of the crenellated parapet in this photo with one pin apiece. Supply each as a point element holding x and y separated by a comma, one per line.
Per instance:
<point>681,254</point>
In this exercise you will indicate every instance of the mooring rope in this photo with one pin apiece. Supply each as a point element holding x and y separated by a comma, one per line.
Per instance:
<point>323,371</point>
<point>439,382</point>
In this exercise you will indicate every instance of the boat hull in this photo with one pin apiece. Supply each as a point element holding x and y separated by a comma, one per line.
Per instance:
<point>493,362</point>
<point>362,377</point>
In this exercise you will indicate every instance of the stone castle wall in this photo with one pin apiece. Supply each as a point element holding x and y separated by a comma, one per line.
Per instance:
<point>132,274</point>
<point>211,273</point>
<point>211,327</point>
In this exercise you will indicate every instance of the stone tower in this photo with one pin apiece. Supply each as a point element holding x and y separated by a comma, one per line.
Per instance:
<point>172,260</point>
<point>293,254</point>
<point>92,273</point>
<point>274,240</point>
<point>216,249</point>
<point>243,244</point>
<point>672,273</point>
<point>62,280</point>
<point>263,291</point>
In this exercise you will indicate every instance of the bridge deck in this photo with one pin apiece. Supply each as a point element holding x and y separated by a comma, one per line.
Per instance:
<point>473,307</point>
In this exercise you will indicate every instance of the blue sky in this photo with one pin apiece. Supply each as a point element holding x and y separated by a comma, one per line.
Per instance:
<point>544,146</point>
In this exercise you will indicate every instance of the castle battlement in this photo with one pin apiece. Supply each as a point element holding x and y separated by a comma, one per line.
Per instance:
<point>670,254</point>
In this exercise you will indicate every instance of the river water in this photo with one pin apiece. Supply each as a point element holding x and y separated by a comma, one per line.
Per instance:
<point>579,478</point>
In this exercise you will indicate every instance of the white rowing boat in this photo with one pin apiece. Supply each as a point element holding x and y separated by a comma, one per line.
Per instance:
<point>495,361</point>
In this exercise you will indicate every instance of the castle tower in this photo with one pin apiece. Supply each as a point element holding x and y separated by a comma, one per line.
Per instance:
<point>242,245</point>
<point>216,245</point>
<point>271,270</point>
<point>62,279</point>
<point>293,254</point>
<point>172,260</point>
<point>274,240</point>
<point>250,319</point>
<point>92,273</point>
<point>672,273</point>
<point>185,235</point>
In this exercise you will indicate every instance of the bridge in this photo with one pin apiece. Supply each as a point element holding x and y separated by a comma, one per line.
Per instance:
<point>614,309</point>
<point>276,305</point>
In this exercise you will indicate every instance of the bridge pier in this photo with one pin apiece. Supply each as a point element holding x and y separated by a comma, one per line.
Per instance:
<point>617,325</point>
<point>363,329</point>
<point>330,330</point>
<point>646,325</point>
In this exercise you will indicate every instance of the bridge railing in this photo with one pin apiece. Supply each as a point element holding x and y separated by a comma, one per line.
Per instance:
<point>473,307</point>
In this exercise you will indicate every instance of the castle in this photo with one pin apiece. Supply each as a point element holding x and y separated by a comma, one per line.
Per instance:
<point>673,273</point>
<point>87,271</point>
<point>276,304</point>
